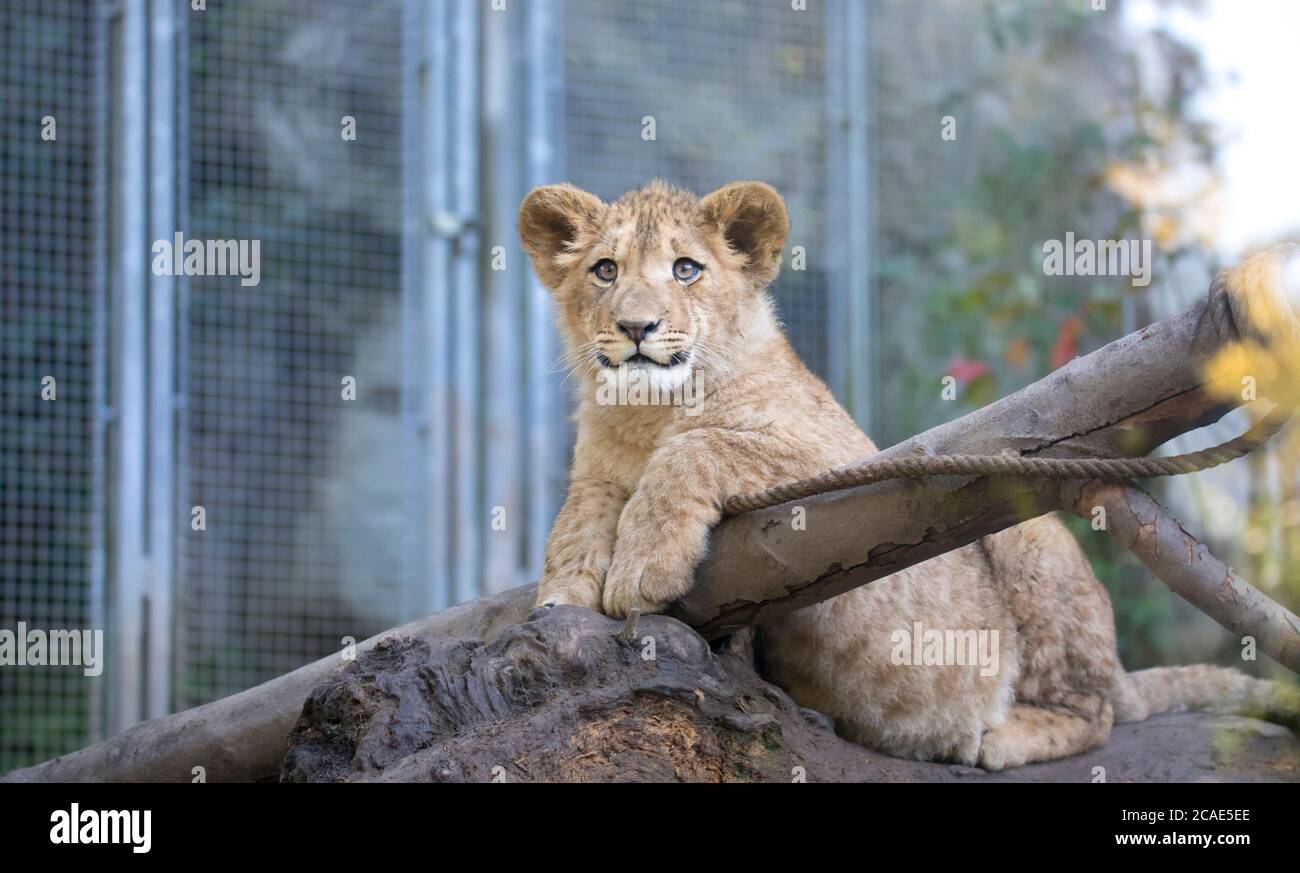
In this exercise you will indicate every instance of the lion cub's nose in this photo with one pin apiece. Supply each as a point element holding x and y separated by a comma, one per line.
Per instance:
<point>638,330</point>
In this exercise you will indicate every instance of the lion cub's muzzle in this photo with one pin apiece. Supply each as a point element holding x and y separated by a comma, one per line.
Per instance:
<point>640,347</point>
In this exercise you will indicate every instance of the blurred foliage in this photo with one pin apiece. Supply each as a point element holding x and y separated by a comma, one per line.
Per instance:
<point>1060,128</point>
<point>1259,365</point>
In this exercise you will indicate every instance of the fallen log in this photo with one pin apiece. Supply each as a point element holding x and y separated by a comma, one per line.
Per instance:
<point>1122,401</point>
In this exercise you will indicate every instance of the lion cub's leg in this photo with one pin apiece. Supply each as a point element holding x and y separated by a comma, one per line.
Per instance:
<point>1070,684</point>
<point>1067,626</point>
<point>664,529</point>
<point>917,665</point>
<point>581,544</point>
<point>1045,733</point>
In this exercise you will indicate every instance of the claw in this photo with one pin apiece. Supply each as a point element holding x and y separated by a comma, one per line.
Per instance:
<point>628,631</point>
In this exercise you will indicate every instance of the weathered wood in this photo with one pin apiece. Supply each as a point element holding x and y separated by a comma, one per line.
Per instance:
<point>567,697</point>
<point>1184,564</point>
<point>242,738</point>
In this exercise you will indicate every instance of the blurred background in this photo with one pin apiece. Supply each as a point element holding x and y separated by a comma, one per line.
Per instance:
<point>391,258</point>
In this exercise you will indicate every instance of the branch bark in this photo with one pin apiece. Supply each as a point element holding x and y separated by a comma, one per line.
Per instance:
<point>1121,401</point>
<point>242,738</point>
<point>1184,564</point>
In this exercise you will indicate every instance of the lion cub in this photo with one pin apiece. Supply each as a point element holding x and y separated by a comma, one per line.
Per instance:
<point>689,392</point>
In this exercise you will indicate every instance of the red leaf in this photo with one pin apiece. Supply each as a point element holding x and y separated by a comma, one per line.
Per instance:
<point>967,371</point>
<point>1066,347</point>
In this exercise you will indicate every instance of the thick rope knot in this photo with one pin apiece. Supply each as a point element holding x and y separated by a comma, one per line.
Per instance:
<point>1010,464</point>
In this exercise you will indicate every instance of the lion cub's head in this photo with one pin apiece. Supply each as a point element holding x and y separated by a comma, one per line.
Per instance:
<point>661,281</point>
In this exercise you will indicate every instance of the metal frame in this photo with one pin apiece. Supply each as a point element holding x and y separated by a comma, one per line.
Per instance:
<point>162,396</point>
<point>487,410</point>
<point>549,429</point>
<point>482,399</point>
<point>851,343</point>
<point>464,230</point>
<point>504,65</point>
<point>418,151</point>
<point>127,565</point>
<point>525,440</point>
<point>443,229</point>
<point>142,356</point>
<point>97,571</point>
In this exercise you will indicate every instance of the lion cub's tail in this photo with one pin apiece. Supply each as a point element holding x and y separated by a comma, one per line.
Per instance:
<point>1205,689</point>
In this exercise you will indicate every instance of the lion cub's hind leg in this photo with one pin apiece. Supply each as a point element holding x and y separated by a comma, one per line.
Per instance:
<point>1044,733</point>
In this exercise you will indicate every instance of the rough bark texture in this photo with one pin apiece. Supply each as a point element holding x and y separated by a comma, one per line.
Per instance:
<point>1184,564</point>
<point>1123,400</point>
<point>568,697</point>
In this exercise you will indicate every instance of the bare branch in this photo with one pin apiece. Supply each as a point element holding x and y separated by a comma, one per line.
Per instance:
<point>1184,564</point>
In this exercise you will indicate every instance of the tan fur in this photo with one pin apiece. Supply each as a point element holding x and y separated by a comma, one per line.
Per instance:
<point>648,482</point>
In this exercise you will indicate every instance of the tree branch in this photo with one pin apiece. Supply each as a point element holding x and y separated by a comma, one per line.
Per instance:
<point>1184,564</point>
<point>1121,401</point>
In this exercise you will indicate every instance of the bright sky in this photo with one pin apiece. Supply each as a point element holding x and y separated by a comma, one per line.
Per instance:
<point>1252,54</point>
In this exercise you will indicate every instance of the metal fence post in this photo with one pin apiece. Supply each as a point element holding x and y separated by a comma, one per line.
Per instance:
<point>444,230</point>
<point>504,68</point>
<point>128,567</point>
<point>422,337</point>
<point>548,429</point>
<point>160,470</point>
<point>852,325</point>
<point>142,355</point>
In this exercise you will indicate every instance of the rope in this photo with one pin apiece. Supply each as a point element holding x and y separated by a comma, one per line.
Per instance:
<point>920,467</point>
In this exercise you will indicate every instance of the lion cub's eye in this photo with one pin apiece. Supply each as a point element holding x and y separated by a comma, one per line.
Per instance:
<point>605,270</point>
<point>686,270</point>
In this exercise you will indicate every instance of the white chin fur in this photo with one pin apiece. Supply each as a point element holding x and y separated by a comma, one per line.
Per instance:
<point>648,385</point>
<point>659,379</point>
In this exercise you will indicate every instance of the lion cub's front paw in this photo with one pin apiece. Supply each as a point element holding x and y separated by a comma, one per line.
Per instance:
<point>581,592</point>
<point>647,583</point>
<point>623,595</point>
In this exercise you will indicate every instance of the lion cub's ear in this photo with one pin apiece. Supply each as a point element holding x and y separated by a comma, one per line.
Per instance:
<point>552,222</point>
<point>752,219</point>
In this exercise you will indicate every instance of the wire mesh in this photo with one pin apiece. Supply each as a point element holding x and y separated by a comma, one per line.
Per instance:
<point>308,511</point>
<point>52,61</point>
<point>735,91</point>
<point>314,525</point>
